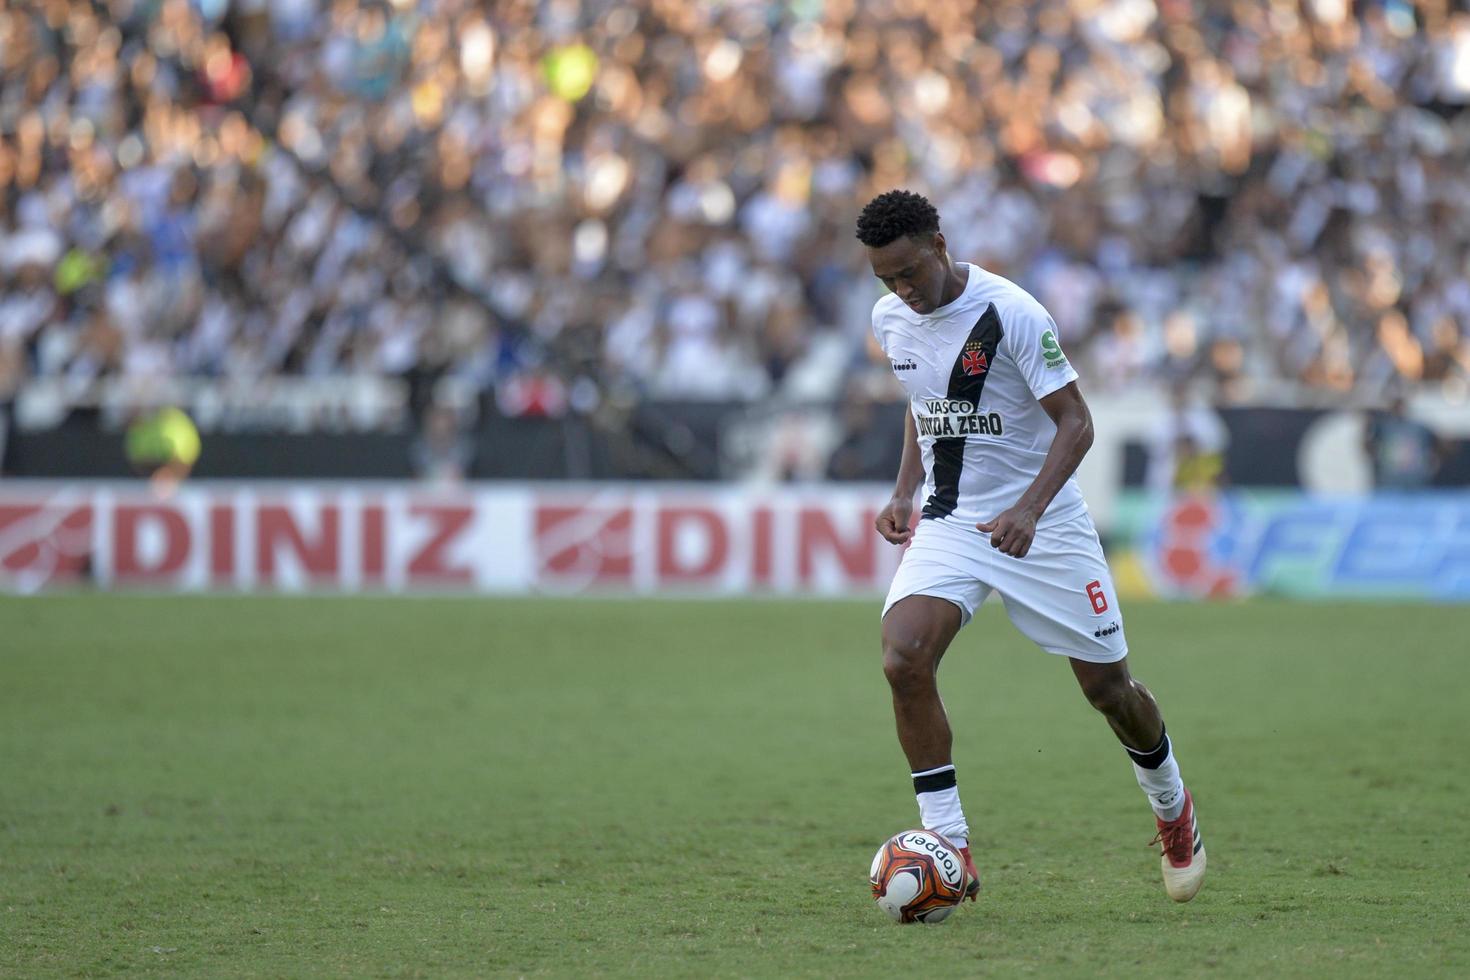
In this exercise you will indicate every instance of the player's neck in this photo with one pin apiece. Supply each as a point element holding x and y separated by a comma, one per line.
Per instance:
<point>954,283</point>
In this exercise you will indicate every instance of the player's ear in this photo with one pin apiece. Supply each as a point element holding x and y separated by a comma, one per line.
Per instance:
<point>938,244</point>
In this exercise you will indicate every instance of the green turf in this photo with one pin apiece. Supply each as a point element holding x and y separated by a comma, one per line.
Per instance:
<point>317,787</point>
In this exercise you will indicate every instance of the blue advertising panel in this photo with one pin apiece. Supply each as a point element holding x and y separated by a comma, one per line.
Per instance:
<point>1293,544</point>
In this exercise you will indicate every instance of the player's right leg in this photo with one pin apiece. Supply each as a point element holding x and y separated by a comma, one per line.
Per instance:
<point>916,632</point>
<point>935,591</point>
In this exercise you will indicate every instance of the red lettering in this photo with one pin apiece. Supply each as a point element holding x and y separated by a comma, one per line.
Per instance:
<point>372,543</point>
<point>761,559</point>
<point>817,535</point>
<point>1099,600</point>
<point>680,526</point>
<point>128,522</point>
<point>275,525</point>
<point>222,542</point>
<point>430,562</point>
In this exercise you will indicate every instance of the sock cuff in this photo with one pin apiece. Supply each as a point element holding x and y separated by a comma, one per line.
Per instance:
<point>934,780</point>
<point>1154,757</point>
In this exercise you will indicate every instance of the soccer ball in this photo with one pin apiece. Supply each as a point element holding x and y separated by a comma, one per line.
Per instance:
<point>918,876</point>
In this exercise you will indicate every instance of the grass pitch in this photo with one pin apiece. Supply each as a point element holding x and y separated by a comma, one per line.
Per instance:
<point>400,788</point>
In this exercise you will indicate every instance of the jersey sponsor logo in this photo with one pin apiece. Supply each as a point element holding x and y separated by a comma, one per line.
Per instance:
<point>1051,351</point>
<point>943,406</point>
<point>907,365</point>
<point>959,424</point>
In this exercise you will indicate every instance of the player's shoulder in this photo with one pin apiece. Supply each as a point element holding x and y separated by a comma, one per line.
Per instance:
<point>1009,297</point>
<point>887,305</point>
<point>1020,313</point>
<point>888,315</point>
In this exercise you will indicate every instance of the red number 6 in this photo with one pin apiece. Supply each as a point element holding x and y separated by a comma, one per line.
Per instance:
<point>1095,593</point>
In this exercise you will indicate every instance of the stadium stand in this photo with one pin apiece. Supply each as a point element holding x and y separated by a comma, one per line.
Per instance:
<point>561,206</point>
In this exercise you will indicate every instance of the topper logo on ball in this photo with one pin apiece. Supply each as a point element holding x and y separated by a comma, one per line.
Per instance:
<point>943,854</point>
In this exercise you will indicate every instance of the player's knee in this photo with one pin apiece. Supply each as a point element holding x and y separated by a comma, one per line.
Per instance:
<point>908,662</point>
<point>1110,695</point>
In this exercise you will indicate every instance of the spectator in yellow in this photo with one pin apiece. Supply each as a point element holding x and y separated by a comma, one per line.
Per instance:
<point>1187,449</point>
<point>163,445</point>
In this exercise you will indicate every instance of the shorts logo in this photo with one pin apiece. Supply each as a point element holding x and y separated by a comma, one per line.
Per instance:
<point>1051,351</point>
<point>1108,630</point>
<point>907,365</point>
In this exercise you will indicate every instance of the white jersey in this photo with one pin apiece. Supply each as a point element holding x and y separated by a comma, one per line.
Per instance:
<point>975,370</point>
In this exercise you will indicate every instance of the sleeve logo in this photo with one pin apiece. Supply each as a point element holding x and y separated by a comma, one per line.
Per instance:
<point>1051,351</point>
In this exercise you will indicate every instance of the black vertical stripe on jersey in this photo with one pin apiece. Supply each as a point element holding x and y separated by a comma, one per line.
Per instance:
<point>949,451</point>
<point>949,460</point>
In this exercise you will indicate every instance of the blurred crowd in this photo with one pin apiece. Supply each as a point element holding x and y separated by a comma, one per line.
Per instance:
<point>562,204</point>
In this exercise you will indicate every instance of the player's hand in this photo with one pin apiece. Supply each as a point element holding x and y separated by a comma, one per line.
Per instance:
<point>893,520</point>
<point>1011,532</point>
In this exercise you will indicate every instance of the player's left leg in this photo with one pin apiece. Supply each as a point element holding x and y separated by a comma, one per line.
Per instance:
<point>1133,714</point>
<point>1061,596</point>
<point>1128,706</point>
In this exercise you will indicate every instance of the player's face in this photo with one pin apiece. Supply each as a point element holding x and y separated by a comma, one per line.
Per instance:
<point>914,268</point>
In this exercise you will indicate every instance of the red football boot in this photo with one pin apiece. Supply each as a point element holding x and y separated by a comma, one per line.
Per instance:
<point>1183,860</point>
<point>972,887</point>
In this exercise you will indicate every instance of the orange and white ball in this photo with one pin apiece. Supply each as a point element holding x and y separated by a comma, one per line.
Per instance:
<point>918,876</point>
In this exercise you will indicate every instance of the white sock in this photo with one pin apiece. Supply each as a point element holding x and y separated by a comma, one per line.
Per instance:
<point>939,804</point>
<point>1158,776</point>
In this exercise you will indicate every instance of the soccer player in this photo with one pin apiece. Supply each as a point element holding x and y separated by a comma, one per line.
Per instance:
<point>995,431</point>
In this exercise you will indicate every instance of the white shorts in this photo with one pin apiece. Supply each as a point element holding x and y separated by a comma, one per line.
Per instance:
<point>1060,595</point>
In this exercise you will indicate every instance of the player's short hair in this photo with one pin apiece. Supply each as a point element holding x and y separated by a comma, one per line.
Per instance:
<point>893,214</point>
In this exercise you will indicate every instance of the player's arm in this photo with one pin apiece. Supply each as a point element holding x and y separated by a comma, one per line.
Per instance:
<point>1013,530</point>
<point>893,520</point>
